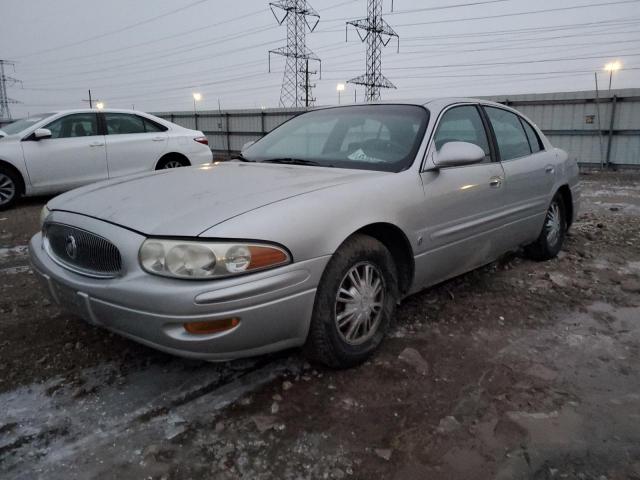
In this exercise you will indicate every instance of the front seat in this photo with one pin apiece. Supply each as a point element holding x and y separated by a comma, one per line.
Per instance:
<point>79,131</point>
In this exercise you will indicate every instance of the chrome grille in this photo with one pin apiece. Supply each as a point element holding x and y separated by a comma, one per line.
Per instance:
<point>82,251</point>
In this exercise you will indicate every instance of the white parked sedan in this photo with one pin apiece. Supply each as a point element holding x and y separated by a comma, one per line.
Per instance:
<point>54,152</point>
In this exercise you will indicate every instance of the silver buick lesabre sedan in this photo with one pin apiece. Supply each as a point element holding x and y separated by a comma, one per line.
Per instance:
<point>311,236</point>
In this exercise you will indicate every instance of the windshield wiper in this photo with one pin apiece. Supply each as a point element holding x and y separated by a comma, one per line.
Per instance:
<point>241,157</point>
<point>292,161</point>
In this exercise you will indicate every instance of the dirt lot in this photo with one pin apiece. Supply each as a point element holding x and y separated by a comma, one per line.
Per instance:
<point>525,370</point>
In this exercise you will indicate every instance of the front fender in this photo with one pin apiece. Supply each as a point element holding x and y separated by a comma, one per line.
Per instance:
<point>315,224</point>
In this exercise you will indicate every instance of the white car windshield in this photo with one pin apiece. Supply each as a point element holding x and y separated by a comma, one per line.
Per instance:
<point>369,137</point>
<point>20,125</point>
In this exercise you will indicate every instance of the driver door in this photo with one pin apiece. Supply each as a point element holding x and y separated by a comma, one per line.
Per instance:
<point>463,204</point>
<point>74,155</point>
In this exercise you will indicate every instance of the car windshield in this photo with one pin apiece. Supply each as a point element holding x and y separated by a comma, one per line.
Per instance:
<point>368,137</point>
<point>20,125</point>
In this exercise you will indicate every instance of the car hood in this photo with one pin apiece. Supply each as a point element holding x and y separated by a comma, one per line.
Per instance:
<point>189,201</point>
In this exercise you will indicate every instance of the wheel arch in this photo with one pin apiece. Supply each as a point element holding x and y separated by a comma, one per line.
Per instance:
<point>395,240</point>
<point>17,172</point>
<point>567,198</point>
<point>176,155</point>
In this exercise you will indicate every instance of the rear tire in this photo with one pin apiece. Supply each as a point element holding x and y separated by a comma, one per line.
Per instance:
<point>354,304</point>
<point>10,188</point>
<point>551,238</point>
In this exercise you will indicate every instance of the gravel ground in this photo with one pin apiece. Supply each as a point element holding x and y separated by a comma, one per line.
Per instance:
<point>516,370</point>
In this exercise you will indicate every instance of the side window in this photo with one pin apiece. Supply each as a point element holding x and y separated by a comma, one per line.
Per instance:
<point>534,140</point>
<point>151,126</point>
<point>512,141</point>
<point>462,124</point>
<point>123,123</point>
<point>74,125</point>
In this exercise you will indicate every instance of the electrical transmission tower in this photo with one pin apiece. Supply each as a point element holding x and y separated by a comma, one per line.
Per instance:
<point>296,89</point>
<point>5,113</point>
<point>377,33</point>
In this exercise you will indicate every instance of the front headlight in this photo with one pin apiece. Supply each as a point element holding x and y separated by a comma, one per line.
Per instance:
<point>204,260</point>
<point>44,213</point>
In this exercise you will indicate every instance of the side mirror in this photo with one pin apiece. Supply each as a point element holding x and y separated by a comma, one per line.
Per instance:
<point>456,154</point>
<point>42,133</point>
<point>2,134</point>
<point>247,145</point>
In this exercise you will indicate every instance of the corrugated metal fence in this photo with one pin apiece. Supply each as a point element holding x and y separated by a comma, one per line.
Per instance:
<point>228,131</point>
<point>594,130</point>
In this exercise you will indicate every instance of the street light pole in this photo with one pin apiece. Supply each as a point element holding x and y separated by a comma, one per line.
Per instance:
<point>340,88</point>
<point>196,98</point>
<point>612,67</point>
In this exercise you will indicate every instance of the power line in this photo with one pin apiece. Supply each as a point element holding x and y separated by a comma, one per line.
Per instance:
<point>178,49</point>
<point>156,40</point>
<point>516,14</point>
<point>446,7</point>
<point>503,15</point>
<point>521,62</point>
<point>440,7</point>
<point>520,47</point>
<point>118,30</point>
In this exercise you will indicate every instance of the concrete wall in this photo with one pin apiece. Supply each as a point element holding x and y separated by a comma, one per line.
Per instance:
<point>591,130</point>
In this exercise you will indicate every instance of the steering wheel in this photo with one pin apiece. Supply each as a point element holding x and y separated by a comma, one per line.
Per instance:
<point>377,145</point>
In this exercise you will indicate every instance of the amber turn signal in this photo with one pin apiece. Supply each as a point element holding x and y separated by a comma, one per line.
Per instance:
<point>213,326</point>
<point>265,257</point>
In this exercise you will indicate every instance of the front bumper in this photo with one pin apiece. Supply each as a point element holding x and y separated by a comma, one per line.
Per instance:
<point>274,307</point>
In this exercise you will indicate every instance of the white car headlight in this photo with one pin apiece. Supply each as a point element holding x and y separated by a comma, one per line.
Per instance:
<point>44,213</point>
<point>204,260</point>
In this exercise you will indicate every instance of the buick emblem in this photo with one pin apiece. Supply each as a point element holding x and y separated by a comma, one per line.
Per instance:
<point>71,247</point>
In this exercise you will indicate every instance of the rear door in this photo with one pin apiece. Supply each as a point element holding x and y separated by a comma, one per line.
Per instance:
<point>134,143</point>
<point>529,172</point>
<point>463,205</point>
<point>73,156</point>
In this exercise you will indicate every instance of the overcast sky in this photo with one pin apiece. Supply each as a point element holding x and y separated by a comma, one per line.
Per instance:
<point>155,53</point>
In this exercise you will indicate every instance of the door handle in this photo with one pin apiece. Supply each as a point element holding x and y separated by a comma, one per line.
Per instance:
<point>495,182</point>
<point>549,169</point>
<point>96,144</point>
<point>157,139</point>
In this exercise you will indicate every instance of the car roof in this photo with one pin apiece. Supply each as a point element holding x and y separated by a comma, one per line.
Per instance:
<point>436,102</point>
<point>104,110</point>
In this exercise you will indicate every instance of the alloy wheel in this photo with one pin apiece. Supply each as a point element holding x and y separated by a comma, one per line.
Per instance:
<point>172,164</point>
<point>553,223</point>
<point>359,303</point>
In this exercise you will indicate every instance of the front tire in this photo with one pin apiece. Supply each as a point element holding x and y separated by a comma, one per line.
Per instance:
<point>10,188</point>
<point>354,304</point>
<point>554,230</point>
